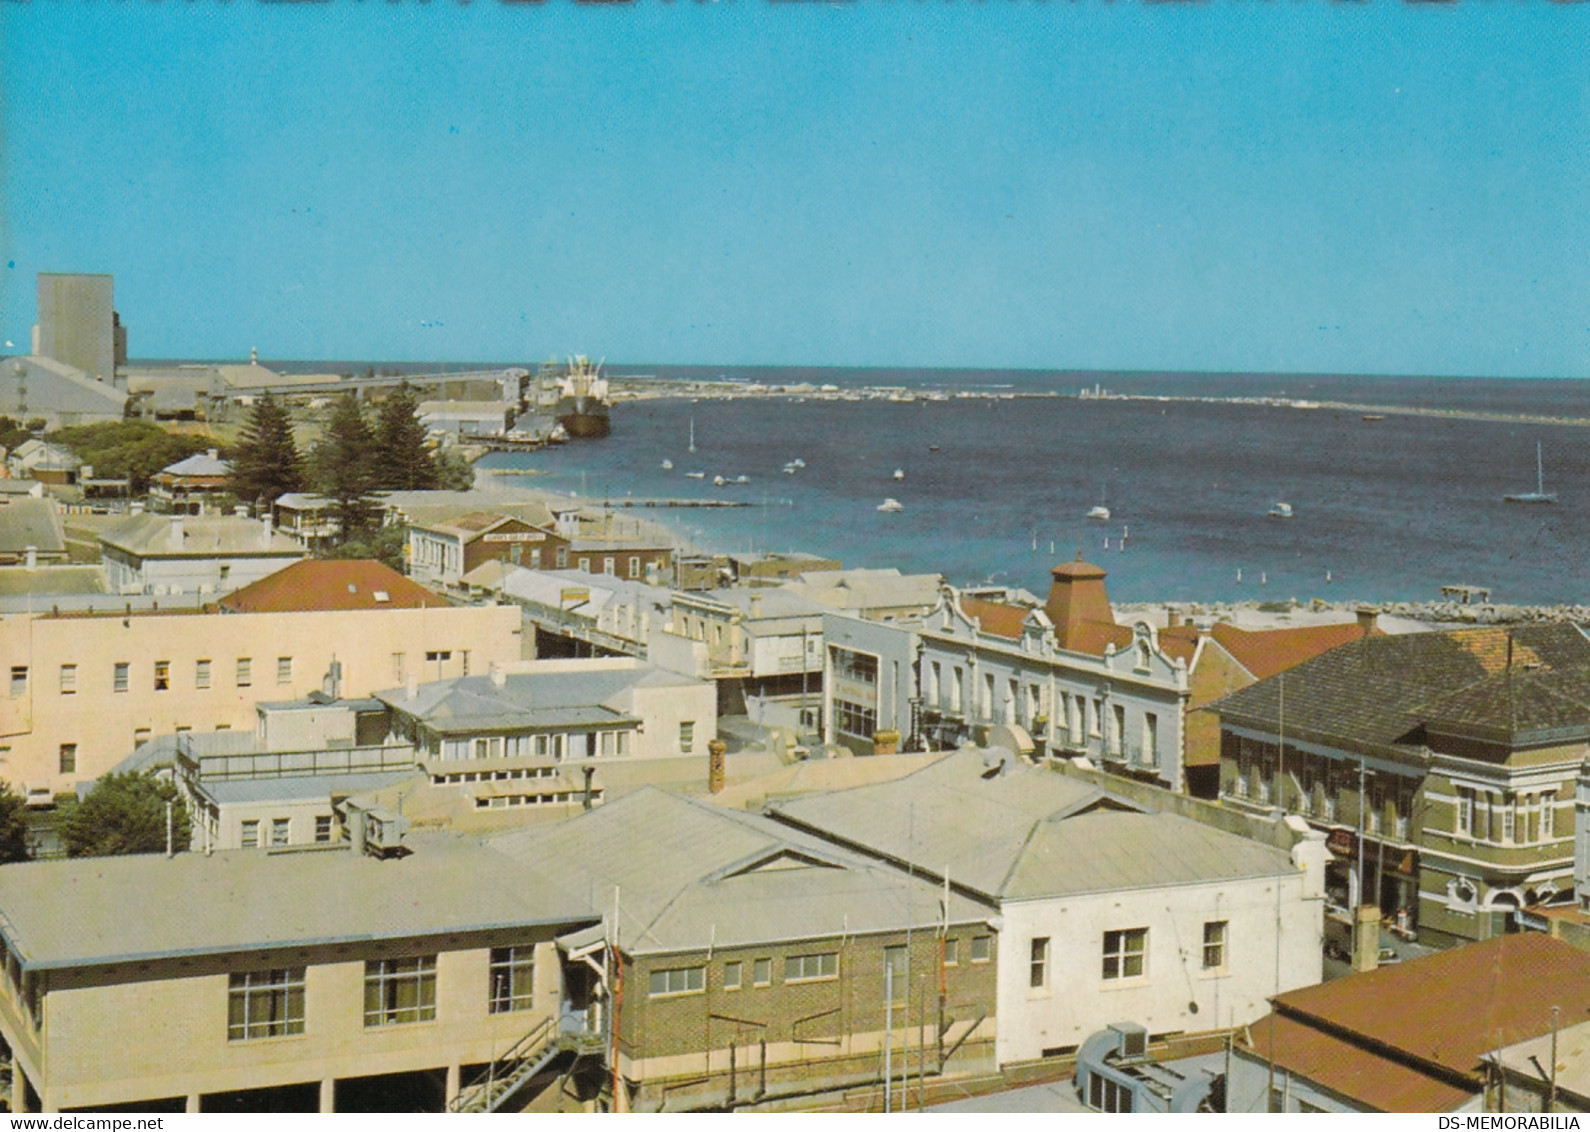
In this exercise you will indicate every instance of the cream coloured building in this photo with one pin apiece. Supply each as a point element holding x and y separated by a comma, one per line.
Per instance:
<point>300,981</point>
<point>83,691</point>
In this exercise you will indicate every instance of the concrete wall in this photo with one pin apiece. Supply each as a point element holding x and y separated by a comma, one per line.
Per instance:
<point>103,722</point>
<point>117,1036</point>
<point>1175,993</point>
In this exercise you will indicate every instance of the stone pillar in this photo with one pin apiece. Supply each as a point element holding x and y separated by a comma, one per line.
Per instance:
<point>193,1103</point>
<point>886,742</point>
<point>328,1094</point>
<point>455,1074</point>
<point>1366,937</point>
<point>716,750</point>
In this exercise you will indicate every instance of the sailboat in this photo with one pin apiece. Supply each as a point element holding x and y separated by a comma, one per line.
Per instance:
<point>692,447</point>
<point>1100,511</point>
<point>1540,494</point>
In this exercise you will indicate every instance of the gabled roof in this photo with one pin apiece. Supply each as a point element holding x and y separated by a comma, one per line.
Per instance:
<point>203,536</point>
<point>1375,692</point>
<point>1264,652</point>
<point>199,464</point>
<point>73,913</point>
<point>26,521</point>
<point>586,695</point>
<point>698,875</point>
<point>957,814</point>
<point>1439,1014</point>
<point>996,617</point>
<point>331,584</point>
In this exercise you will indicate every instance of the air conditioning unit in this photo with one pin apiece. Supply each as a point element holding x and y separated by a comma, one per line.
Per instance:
<point>1132,1039</point>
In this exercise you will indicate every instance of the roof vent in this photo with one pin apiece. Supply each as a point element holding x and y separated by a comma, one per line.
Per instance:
<point>353,589</point>
<point>382,595</point>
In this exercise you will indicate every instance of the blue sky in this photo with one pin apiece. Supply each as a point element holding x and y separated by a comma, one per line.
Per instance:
<point>1374,188</point>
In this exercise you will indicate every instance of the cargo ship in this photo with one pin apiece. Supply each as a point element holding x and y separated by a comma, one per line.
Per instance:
<point>582,406</point>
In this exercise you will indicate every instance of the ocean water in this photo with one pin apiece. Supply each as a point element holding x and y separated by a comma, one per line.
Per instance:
<point>1390,510</point>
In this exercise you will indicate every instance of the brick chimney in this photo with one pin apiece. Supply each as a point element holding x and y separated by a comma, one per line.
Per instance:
<point>1077,597</point>
<point>886,742</point>
<point>1367,616</point>
<point>716,750</point>
<point>1366,938</point>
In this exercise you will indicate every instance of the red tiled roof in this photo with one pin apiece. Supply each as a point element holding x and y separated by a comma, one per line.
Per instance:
<point>1264,652</point>
<point>314,585</point>
<point>1450,1008</point>
<point>995,616</point>
<point>1348,1070</point>
<point>1179,642</point>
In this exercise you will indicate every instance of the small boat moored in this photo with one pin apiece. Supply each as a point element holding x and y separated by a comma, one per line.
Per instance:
<point>899,474</point>
<point>891,505</point>
<point>1099,512</point>
<point>1281,511</point>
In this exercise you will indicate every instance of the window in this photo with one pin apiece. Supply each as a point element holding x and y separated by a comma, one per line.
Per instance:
<point>1038,971</point>
<point>265,1004</point>
<point>119,683</point>
<point>1214,945</point>
<point>1107,1095</point>
<point>762,973</point>
<point>397,991</point>
<point>437,656</point>
<point>322,828</point>
<point>1465,810</point>
<point>805,968</point>
<point>634,566</point>
<point>1548,815</point>
<point>952,952</point>
<point>1095,717</point>
<point>858,666</point>
<point>982,948</point>
<point>679,980</point>
<point>19,680</point>
<point>897,962</point>
<point>226,573</point>
<point>250,834</point>
<point>280,828</point>
<point>513,976</point>
<point>607,564</point>
<point>687,736</point>
<point>140,737</point>
<point>245,671</point>
<point>563,557</point>
<point>162,675</point>
<point>1124,953</point>
<point>1508,805</point>
<point>68,679</point>
<point>732,975</point>
<point>855,719</point>
<point>1118,735</point>
<point>585,564</point>
<point>284,670</point>
<point>1150,739</point>
<point>68,758</point>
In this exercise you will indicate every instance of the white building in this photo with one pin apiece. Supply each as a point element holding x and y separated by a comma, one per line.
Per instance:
<point>1108,913</point>
<point>176,554</point>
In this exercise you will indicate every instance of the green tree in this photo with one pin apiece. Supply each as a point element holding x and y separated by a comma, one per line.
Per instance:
<point>385,544</point>
<point>125,813</point>
<point>131,448</point>
<point>402,462</point>
<point>14,841</point>
<point>344,468</point>
<point>266,463</point>
<point>453,472</point>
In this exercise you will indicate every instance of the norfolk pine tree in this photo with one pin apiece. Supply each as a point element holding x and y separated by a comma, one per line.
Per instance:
<point>266,463</point>
<point>125,813</point>
<point>401,459</point>
<point>345,467</point>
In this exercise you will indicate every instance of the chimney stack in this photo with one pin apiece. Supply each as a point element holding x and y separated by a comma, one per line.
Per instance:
<point>174,532</point>
<point>716,767</point>
<point>33,557</point>
<point>756,605</point>
<point>1367,616</point>
<point>265,529</point>
<point>499,678</point>
<point>213,453</point>
<point>1366,938</point>
<point>411,688</point>
<point>886,742</point>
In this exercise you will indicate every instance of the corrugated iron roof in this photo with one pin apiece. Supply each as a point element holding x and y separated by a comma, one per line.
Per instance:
<point>701,875</point>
